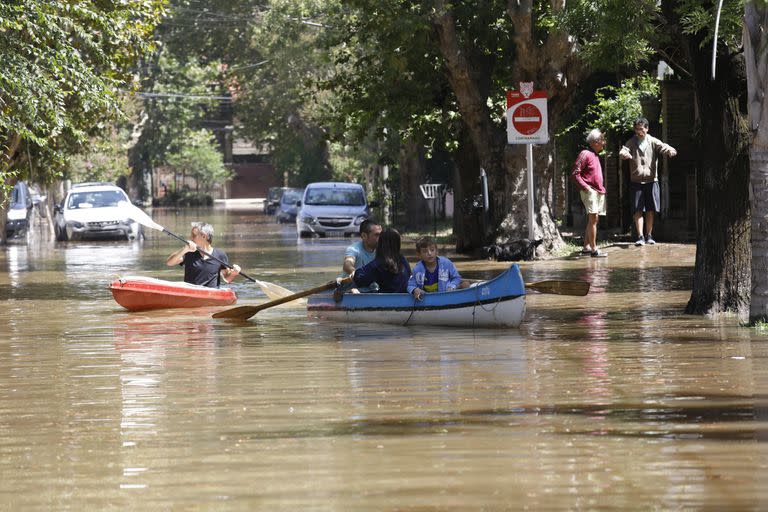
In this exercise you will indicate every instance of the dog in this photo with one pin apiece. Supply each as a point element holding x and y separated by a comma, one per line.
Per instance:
<point>516,250</point>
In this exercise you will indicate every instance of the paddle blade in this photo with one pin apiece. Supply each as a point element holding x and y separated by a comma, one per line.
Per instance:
<point>577,288</point>
<point>239,312</point>
<point>140,216</point>
<point>246,312</point>
<point>273,291</point>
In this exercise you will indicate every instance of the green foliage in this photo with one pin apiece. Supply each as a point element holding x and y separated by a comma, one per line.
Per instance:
<point>697,17</point>
<point>612,33</point>
<point>350,162</point>
<point>199,157</point>
<point>174,104</point>
<point>184,198</point>
<point>105,158</point>
<point>614,109</point>
<point>279,105</point>
<point>64,64</point>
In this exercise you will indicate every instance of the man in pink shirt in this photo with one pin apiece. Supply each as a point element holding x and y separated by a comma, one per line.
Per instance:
<point>588,174</point>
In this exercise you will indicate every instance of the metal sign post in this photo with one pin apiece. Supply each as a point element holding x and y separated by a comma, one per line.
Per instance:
<point>527,124</point>
<point>529,161</point>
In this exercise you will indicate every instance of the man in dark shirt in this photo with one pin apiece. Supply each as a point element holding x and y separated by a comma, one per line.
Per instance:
<point>199,267</point>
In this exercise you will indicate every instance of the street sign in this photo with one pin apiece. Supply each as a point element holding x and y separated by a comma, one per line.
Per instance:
<point>527,117</point>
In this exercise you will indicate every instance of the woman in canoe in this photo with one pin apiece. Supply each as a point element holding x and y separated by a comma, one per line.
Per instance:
<point>389,269</point>
<point>199,267</point>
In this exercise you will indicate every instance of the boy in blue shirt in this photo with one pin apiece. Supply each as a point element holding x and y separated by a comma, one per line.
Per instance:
<point>433,273</point>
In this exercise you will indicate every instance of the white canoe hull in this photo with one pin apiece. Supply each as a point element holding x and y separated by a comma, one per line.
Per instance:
<point>503,313</point>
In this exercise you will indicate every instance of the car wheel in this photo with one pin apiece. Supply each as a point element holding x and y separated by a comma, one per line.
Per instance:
<point>305,234</point>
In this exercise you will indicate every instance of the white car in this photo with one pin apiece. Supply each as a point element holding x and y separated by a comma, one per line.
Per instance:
<point>95,210</point>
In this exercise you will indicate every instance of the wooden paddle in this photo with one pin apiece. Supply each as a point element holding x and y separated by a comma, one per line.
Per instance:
<point>145,220</point>
<point>246,312</point>
<point>578,288</point>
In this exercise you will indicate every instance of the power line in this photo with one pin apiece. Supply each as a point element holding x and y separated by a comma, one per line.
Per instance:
<point>142,94</point>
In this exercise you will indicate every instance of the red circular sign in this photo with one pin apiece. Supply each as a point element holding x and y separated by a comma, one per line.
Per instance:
<point>526,119</point>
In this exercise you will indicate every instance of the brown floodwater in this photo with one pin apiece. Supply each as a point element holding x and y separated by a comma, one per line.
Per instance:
<point>614,400</point>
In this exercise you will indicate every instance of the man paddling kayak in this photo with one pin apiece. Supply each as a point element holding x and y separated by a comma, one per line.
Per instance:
<point>199,268</point>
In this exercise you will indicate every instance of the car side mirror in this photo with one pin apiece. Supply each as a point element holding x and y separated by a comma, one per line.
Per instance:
<point>374,204</point>
<point>57,208</point>
<point>298,204</point>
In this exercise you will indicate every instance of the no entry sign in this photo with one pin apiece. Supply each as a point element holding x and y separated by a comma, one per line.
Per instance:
<point>527,117</point>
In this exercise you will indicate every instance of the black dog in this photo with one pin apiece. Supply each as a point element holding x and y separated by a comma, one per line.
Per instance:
<point>516,250</point>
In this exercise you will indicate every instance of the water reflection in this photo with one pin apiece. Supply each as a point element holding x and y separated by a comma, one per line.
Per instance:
<point>97,403</point>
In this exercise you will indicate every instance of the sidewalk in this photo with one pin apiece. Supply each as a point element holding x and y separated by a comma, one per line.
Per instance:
<point>254,204</point>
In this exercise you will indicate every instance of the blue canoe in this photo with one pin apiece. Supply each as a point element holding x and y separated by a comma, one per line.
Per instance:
<point>499,302</point>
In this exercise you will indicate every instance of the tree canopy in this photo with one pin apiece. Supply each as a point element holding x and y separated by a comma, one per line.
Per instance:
<point>65,66</point>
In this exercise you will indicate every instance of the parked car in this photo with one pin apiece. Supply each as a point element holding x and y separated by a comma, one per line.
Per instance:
<point>19,211</point>
<point>330,208</point>
<point>95,210</point>
<point>272,201</point>
<point>289,205</point>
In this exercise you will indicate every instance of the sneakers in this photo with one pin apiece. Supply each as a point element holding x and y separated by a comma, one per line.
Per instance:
<point>599,254</point>
<point>650,241</point>
<point>640,241</point>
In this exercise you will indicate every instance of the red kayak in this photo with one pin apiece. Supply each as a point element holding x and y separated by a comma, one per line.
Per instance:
<point>145,293</point>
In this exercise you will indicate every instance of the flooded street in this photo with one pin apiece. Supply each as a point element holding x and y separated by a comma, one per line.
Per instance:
<point>614,400</point>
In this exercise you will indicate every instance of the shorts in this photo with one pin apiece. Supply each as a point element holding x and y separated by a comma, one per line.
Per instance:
<point>593,201</point>
<point>646,197</point>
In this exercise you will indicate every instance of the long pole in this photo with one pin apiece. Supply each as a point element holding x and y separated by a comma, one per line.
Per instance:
<point>434,216</point>
<point>486,203</point>
<point>714,39</point>
<point>529,158</point>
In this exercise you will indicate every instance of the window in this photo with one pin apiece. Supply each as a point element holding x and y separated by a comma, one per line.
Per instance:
<point>335,197</point>
<point>98,199</point>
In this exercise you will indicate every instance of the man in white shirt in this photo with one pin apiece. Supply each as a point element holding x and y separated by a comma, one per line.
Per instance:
<point>643,152</point>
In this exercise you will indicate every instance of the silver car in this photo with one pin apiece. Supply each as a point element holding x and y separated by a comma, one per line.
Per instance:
<point>94,210</point>
<point>332,208</point>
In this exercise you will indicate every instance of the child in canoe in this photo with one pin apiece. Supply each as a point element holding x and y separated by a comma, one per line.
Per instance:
<point>433,273</point>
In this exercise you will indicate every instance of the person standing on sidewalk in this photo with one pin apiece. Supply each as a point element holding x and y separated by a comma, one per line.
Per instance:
<point>587,172</point>
<point>643,152</point>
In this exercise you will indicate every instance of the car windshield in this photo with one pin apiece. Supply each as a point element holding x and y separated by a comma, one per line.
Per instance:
<point>291,196</point>
<point>274,194</point>
<point>99,199</point>
<point>18,197</point>
<point>335,196</point>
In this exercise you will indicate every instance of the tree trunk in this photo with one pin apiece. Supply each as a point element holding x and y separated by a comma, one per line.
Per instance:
<point>467,219</point>
<point>469,76</point>
<point>758,163</point>
<point>413,174</point>
<point>468,79</point>
<point>9,148</point>
<point>721,281</point>
<point>755,41</point>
